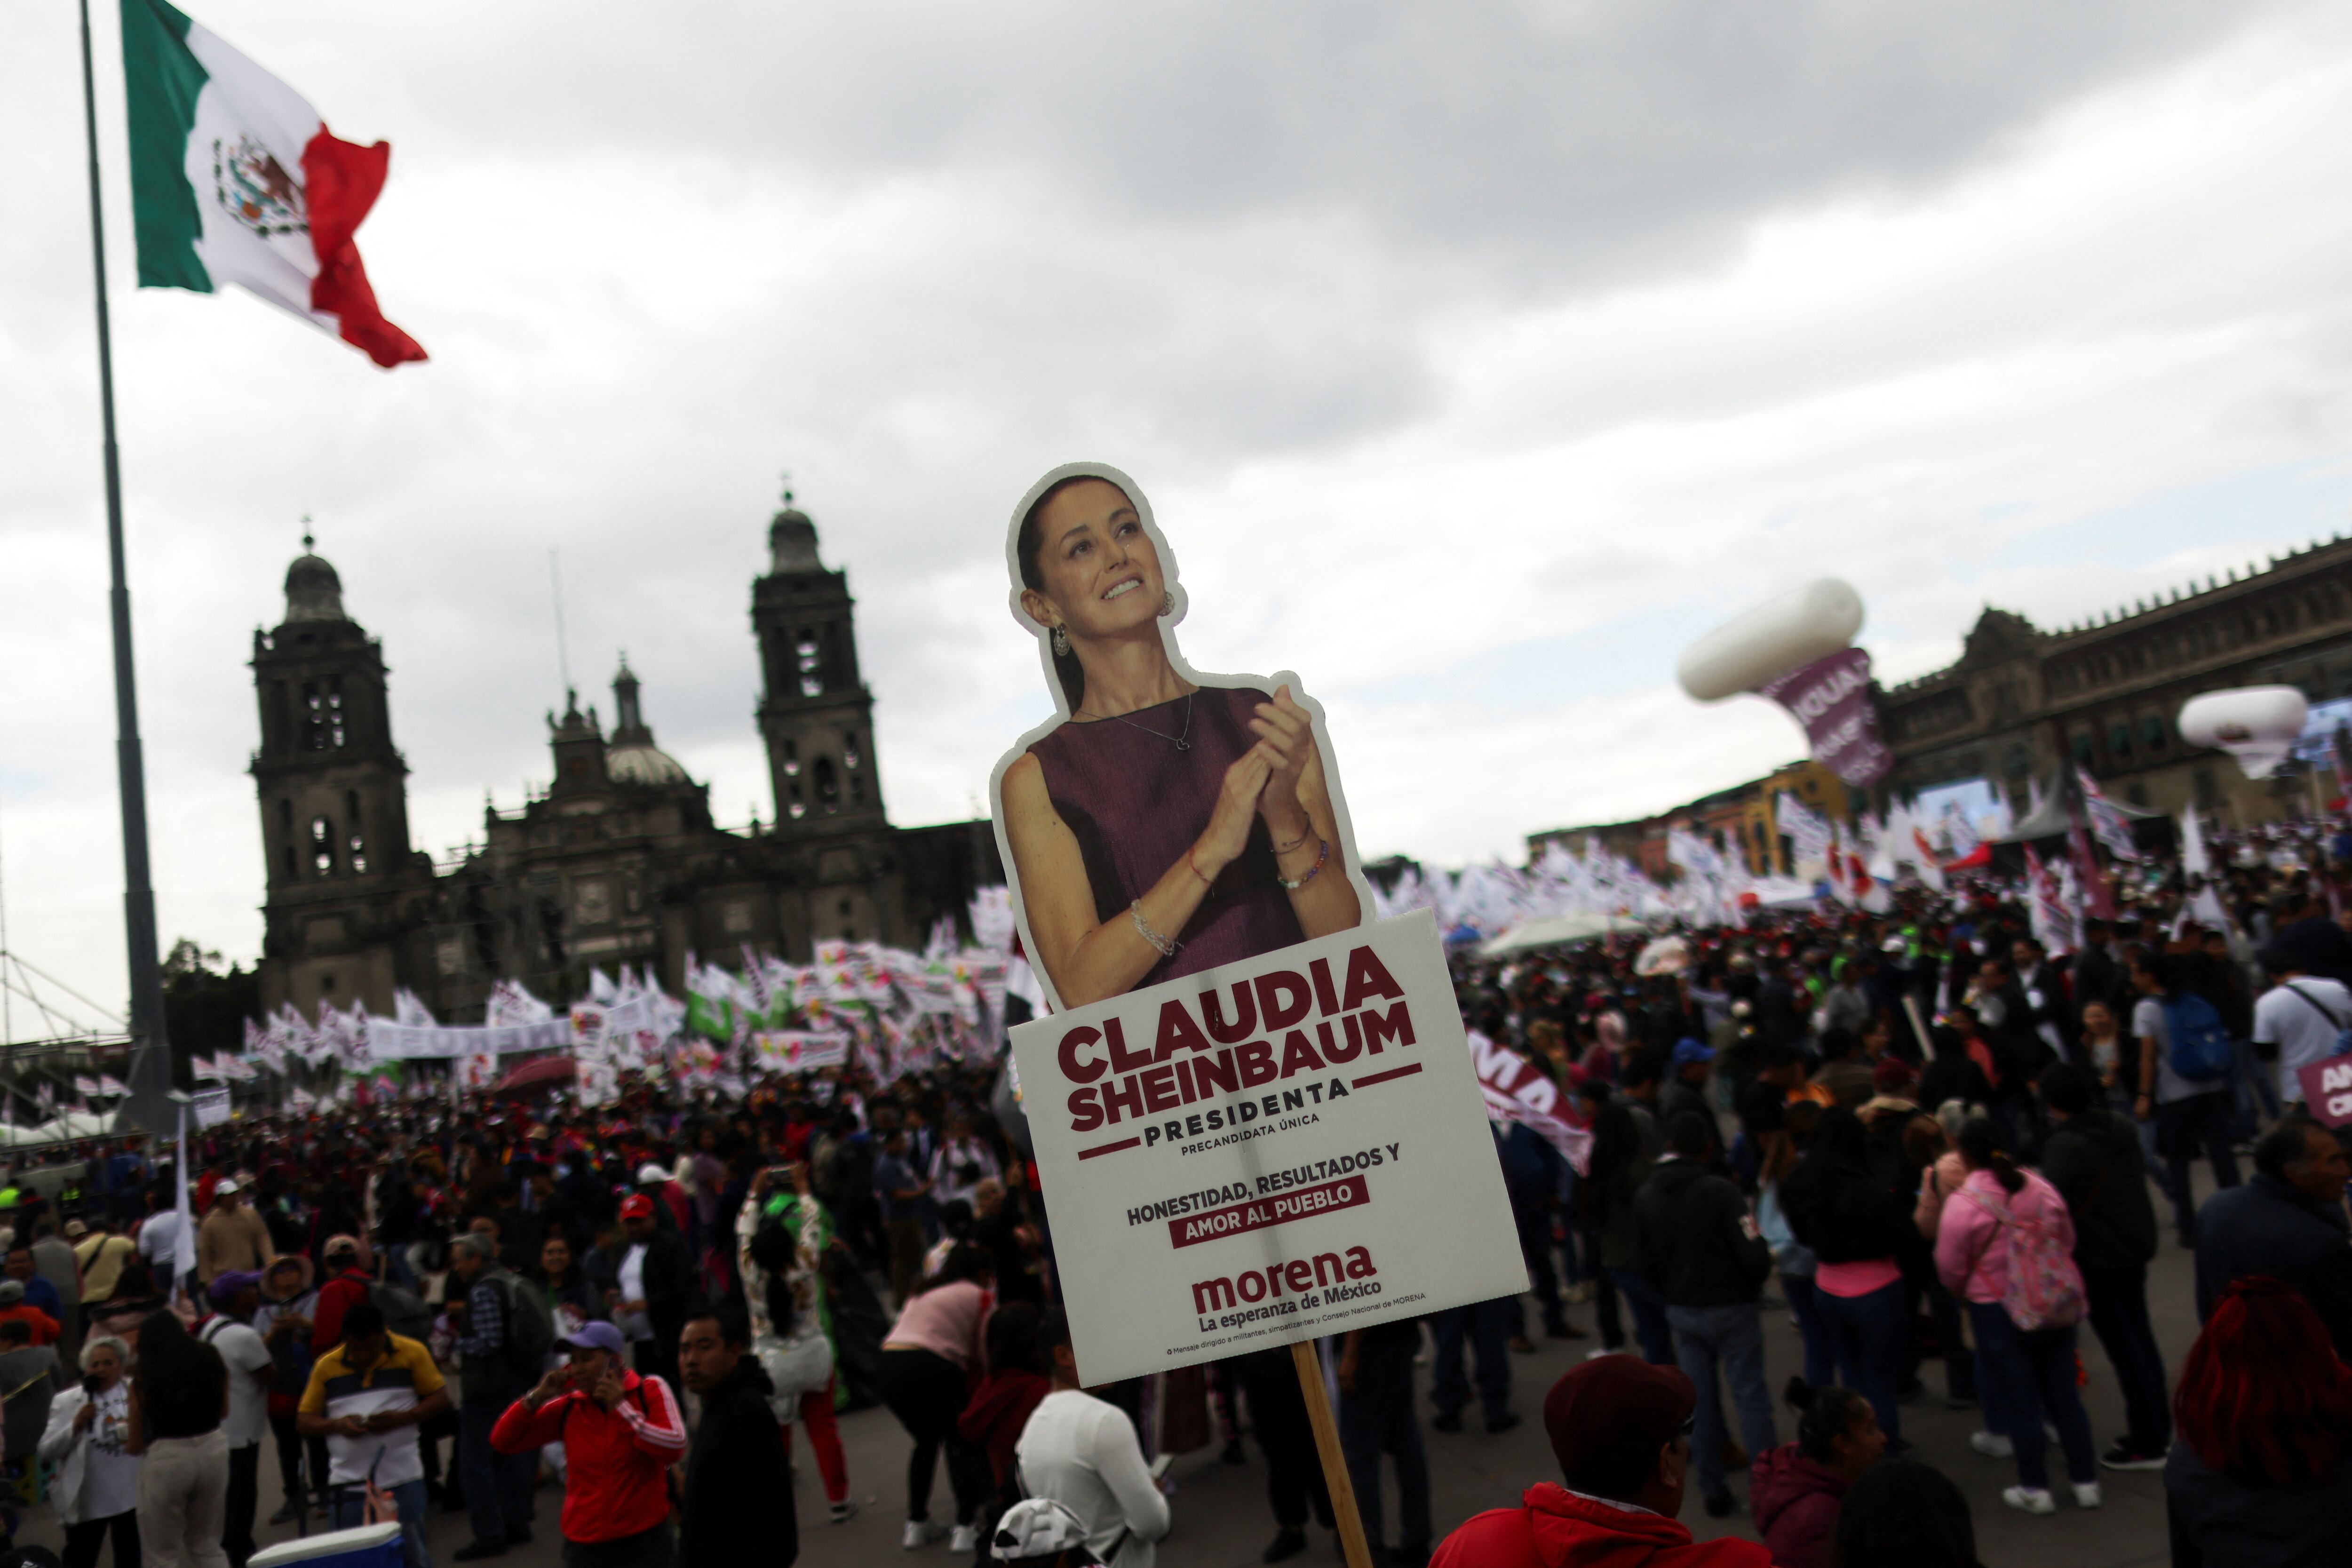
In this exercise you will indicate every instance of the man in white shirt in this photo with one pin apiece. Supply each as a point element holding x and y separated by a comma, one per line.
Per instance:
<point>2298,1019</point>
<point>1081,1452</point>
<point>159,1237</point>
<point>252,1370</point>
<point>962,1163</point>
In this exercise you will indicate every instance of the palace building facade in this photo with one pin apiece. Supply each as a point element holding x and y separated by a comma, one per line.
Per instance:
<point>617,861</point>
<point>2021,702</point>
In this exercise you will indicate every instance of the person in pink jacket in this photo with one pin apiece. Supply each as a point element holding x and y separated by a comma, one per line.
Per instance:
<point>2027,1375</point>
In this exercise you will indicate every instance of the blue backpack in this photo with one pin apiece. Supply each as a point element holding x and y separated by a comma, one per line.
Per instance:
<point>2202,1050</point>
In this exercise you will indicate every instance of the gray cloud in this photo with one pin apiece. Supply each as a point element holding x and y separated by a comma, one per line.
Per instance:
<point>919,253</point>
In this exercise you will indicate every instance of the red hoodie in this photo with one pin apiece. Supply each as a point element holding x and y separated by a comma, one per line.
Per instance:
<point>1795,1501</point>
<point>1556,1528</point>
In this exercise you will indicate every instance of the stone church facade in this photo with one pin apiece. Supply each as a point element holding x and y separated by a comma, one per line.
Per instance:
<point>618,862</point>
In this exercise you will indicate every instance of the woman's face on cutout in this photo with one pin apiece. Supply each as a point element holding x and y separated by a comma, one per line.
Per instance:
<point>1101,572</point>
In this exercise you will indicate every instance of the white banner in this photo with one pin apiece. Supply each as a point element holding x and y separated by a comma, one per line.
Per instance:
<point>394,1042</point>
<point>211,1107</point>
<point>798,1050</point>
<point>1285,1147</point>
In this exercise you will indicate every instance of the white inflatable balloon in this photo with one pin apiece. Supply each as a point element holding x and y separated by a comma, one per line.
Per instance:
<point>1769,641</point>
<point>2258,725</point>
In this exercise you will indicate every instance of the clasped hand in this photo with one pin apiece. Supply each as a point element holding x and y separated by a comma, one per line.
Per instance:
<point>1262,783</point>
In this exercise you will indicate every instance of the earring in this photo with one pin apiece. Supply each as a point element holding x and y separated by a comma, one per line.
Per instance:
<point>1168,604</point>
<point>1061,640</point>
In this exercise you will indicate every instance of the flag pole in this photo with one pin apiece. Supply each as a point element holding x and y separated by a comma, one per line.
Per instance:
<point>151,1063</point>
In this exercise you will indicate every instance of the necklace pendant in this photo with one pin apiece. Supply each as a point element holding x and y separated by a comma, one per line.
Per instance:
<point>1183,745</point>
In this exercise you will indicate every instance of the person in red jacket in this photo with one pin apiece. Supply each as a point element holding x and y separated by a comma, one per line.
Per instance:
<point>1621,1429</point>
<point>621,1434</point>
<point>346,1287</point>
<point>1796,1490</point>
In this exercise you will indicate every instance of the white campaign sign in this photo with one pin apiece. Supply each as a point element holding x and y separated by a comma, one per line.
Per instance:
<point>1287,1147</point>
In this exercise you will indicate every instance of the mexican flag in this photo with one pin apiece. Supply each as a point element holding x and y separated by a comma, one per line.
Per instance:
<point>234,179</point>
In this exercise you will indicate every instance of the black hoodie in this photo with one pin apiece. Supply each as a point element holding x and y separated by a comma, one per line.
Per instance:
<point>738,1484</point>
<point>2094,1161</point>
<point>1695,1240</point>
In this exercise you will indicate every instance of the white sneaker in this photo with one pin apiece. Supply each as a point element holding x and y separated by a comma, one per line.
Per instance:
<point>2030,1499</point>
<point>921,1532</point>
<point>1993,1445</point>
<point>966,1539</point>
<point>2086,1494</point>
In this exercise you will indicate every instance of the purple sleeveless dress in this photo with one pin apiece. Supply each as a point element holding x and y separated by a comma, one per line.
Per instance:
<point>1138,804</point>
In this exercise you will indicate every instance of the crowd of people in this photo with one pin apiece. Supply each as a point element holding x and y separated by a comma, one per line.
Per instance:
<point>1945,1142</point>
<point>1928,1135</point>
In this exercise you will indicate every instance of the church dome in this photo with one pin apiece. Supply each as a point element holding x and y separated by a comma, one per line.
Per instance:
<point>633,758</point>
<point>643,764</point>
<point>792,541</point>
<point>313,592</point>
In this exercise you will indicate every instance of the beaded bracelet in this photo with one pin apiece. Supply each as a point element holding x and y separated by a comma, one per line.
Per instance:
<point>1165,946</point>
<point>1322,854</point>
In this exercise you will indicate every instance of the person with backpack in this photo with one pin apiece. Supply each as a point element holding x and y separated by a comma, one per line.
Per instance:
<point>504,1333</point>
<point>235,1296</point>
<point>2005,1246</point>
<point>2185,1056</point>
<point>2301,1019</point>
<point>620,1433</point>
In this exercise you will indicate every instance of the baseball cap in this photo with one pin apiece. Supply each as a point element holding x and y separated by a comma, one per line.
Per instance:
<point>636,1205</point>
<point>1037,1527</point>
<point>11,1292</point>
<point>225,1186</point>
<point>75,1229</point>
<point>225,1287</point>
<point>1603,1413</point>
<point>653,1171</point>
<point>1689,1051</point>
<point>339,1244</point>
<point>594,1335</point>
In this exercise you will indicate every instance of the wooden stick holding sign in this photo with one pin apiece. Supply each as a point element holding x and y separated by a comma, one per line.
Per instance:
<point>1358,1549</point>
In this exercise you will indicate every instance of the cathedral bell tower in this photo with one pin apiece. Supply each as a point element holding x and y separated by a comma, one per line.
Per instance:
<point>815,714</point>
<point>333,796</point>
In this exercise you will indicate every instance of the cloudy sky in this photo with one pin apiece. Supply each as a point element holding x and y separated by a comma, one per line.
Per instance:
<point>1476,358</point>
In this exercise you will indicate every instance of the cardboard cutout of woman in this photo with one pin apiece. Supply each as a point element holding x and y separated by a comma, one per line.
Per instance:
<point>1163,822</point>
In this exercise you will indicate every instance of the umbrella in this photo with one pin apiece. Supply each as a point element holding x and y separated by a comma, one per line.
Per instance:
<point>1558,929</point>
<point>541,1072</point>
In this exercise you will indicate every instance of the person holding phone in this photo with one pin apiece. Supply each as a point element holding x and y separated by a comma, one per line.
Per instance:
<point>366,1397</point>
<point>620,1432</point>
<point>96,1488</point>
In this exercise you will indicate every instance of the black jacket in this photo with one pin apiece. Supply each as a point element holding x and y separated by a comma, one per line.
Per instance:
<point>1694,1240</point>
<point>669,1281</point>
<point>2223,1519</point>
<point>1845,1212</point>
<point>2094,1161</point>
<point>2099,977</point>
<point>738,1507</point>
<point>2269,1228</point>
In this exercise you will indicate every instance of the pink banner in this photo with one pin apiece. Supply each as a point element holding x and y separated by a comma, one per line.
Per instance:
<point>1830,697</point>
<point>2327,1089</point>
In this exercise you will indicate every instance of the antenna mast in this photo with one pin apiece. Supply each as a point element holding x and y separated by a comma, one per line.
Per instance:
<point>562,655</point>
